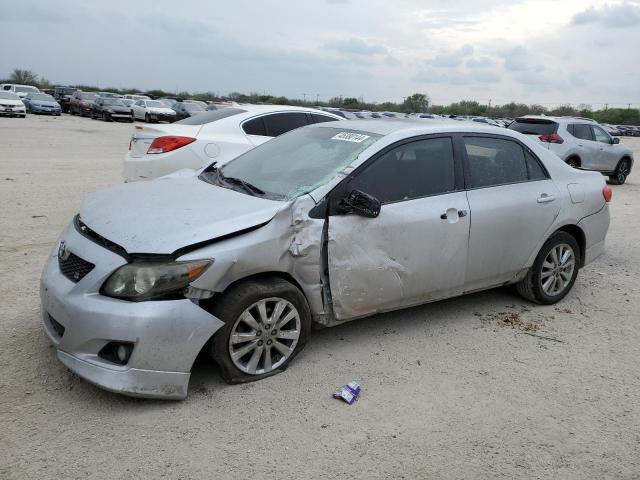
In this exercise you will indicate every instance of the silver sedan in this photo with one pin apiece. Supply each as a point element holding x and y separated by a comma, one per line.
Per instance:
<point>325,224</point>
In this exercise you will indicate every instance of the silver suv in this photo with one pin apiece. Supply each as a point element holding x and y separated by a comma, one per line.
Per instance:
<point>581,143</point>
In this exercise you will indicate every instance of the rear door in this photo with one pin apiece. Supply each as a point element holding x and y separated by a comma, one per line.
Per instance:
<point>513,204</point>
<point>585,146</point>
<point>416,249</point>
<point>606,156</point>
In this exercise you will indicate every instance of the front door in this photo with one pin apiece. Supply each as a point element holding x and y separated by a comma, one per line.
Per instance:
<point>416,249</point>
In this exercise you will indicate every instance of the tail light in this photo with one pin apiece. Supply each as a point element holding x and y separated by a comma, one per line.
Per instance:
<point>551,138</point>
<point>168,144</point>
<point>607,193</point>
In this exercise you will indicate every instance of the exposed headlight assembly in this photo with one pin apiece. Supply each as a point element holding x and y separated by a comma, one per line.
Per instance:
<point>139,281</point>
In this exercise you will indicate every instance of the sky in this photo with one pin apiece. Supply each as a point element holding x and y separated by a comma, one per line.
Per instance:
<point>531,51</point>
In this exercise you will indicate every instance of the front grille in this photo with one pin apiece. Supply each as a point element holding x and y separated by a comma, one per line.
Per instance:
<point>74,267</point>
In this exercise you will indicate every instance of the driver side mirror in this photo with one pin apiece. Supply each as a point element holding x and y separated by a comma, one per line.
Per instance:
<point>615,140</point>
<point>361,203</point>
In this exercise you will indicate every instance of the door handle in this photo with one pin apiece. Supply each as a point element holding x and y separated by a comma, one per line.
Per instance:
<point>461,213</point>
<point>546,198</point>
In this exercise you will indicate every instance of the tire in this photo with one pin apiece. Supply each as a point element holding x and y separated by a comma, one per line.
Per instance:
<point>622,172</point>
<point>105,117</point>
<point>532,286</point>
<point>573,162</point>
<point>147,118</point>
<point>231,308</point>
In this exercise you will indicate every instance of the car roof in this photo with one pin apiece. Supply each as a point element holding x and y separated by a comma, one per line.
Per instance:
<point>414,126</point>
<point>558,118</point>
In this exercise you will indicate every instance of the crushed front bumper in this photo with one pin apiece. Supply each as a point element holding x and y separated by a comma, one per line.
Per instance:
<point>166,335</point>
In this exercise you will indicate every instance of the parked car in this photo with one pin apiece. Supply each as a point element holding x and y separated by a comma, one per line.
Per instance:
<point>109,109</point>
<point>63,96</point>
<point>580,143</point>
<point>41,103</point>
<point>20,90</point>
<point>196,102</point>
<point>217,135</point>
<point>136,97</point>
<point>152,111</point>
<point>108,95</point>
<point>11,105</point>
<point>239,261</point>
<point>187,109</point>
<point>127,101</point>
<point>81,103</point>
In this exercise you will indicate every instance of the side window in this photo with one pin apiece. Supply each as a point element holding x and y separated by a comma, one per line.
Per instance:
<point>317,118</point>
<point>601,135</point>
<point>413,170</point>
<point>580,130</point>
<point>279,123</point>
<point>255,126</point>
<point>494,161</point>
<point>536,172</point>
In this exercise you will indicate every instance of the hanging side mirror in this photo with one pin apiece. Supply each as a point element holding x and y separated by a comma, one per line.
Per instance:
<point>361,203</point>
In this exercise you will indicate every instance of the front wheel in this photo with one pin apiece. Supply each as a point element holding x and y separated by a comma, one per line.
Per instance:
<point>267,323</point>
<point>573,162</point>
<point>621,173</point>
<point>147,118</point>
<point>554,271</point>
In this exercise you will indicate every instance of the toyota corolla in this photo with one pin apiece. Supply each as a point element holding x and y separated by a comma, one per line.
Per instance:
<point>325,224</point>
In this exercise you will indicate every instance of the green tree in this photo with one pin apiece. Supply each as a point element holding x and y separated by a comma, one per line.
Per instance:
<point>418,102</point>
<point>24,77</point>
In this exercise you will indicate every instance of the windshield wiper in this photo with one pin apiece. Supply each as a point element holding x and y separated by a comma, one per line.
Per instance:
<point>251,189</point>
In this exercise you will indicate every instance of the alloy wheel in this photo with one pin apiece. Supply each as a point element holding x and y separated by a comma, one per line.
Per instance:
<point>264,336</point>
<point>622,172</point>
<point>557,269</point>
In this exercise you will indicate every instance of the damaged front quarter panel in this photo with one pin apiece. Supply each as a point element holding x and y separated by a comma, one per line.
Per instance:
<point>289,245</point>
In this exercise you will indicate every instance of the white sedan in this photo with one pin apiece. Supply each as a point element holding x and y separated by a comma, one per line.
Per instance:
<point>217,135</point>
<point>11,105</point>
<point>152,111</point>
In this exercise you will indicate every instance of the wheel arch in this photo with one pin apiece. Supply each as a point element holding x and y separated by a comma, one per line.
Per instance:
<point>574,156</point>
<point>577,233</point>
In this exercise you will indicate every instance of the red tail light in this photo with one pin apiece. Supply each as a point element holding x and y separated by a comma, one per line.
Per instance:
<point>168,144</point>
<point>551,138</point>
<point>607,193</point>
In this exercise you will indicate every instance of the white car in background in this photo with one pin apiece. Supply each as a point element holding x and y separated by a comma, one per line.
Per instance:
<point>11,105</point>
<point>212,136</point>
<point>152,111</point>
<point>134,97</point>
<point>20,90</point>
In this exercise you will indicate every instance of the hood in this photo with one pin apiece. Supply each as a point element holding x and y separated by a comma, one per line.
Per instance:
<point>45,103</point>
<point>167,214</point>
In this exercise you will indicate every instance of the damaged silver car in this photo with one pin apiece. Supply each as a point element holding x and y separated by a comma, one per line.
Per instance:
<point>325,224</point>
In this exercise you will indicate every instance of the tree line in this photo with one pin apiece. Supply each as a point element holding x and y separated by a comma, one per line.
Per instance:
<point>415,103</point>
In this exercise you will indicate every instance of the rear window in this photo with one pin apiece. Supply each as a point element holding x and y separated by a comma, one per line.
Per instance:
<point>530,126</point>
<point>211,116</point>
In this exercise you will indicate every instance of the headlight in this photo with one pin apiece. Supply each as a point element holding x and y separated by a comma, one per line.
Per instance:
<point>145,280</point>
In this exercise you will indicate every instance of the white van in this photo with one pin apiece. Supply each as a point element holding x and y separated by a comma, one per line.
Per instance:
<point>20,90</point>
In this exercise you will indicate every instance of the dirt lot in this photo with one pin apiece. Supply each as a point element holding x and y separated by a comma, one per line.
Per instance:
<point>455,389</point>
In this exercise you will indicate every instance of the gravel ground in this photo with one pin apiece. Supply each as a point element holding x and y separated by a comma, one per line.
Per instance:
<point>454,389</point>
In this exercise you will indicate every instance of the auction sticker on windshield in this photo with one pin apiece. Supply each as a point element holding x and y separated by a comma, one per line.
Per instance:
<point>350,137</point>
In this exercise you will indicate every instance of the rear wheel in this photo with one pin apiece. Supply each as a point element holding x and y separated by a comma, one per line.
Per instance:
<point>554,271</point>
<point>621,173</point>
<point>147,118</point>
<point>267,323</point>
<point>105,117</point>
